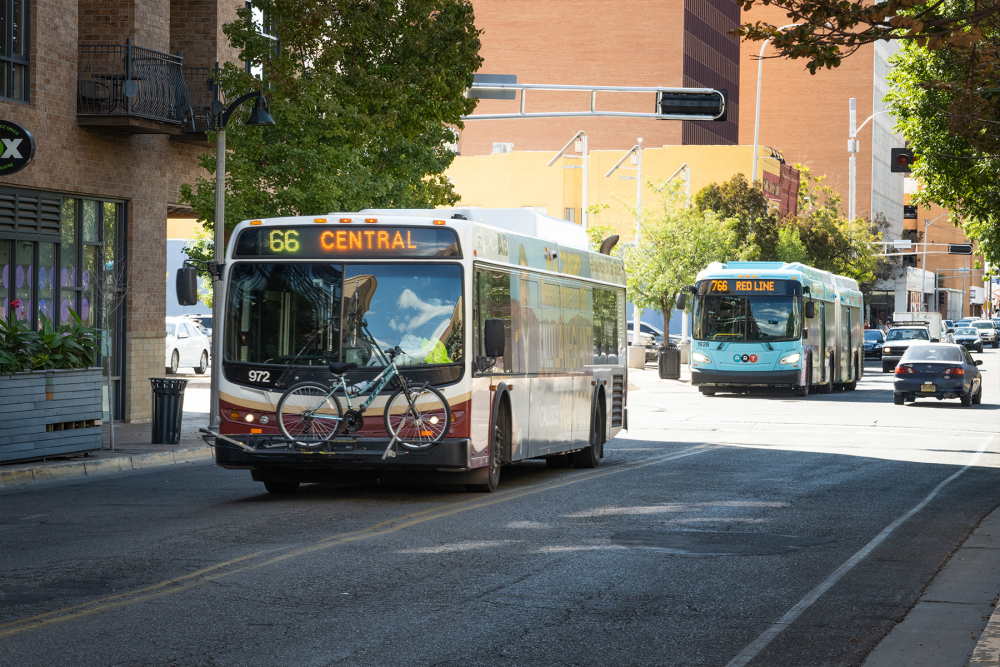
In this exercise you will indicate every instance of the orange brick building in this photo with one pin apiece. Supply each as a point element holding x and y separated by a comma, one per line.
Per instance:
<point>589,42</point>
<point>118,126</point>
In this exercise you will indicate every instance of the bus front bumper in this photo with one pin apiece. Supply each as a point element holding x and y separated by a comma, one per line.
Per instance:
<point>272,453</point>
<point>715,378</point>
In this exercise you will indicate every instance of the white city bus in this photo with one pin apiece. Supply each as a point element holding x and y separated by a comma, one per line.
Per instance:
<point>427,281</point>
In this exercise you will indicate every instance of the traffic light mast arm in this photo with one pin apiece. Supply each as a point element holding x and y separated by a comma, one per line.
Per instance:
<point>660,92</point>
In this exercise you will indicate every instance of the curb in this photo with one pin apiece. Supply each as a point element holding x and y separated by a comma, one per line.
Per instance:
<point>76,469</point>
<point>987,651</point>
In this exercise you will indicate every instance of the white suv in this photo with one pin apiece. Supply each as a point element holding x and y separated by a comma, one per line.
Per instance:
<point>987,332</point>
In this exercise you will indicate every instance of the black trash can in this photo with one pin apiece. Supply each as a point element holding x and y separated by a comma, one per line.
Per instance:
<point>168,408</point>
<point>670,363</point>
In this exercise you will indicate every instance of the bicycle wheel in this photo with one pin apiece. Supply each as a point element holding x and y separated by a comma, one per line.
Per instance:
<point>308,412</point>
<point>421,428</point>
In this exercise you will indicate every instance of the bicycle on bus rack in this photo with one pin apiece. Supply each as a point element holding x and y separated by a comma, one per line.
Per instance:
<point>415,417</point>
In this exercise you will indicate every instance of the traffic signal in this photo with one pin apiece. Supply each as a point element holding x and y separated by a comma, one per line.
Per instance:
<point>959,248</point>
<point>710,104</point>
<point>902,158</point>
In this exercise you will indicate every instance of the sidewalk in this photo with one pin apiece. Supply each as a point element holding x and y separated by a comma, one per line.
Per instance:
<point>133,448</point>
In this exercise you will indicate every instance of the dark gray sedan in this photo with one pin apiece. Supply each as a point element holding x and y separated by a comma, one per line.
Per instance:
<point>969,337</point>
<point>938,370</point>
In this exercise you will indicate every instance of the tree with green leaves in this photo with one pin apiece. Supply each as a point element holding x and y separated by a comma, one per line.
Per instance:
<point>677,242</point>
<point>958,165</point>
<point>746,204</point>
<point>365,95</point>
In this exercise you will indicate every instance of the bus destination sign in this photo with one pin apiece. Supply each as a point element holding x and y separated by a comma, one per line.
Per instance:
<point>749,287</point>
<point>328,242</point>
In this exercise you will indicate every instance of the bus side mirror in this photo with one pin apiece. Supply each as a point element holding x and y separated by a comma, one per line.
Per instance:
<point>810,309</point>
<point>681,301</point>
<point>187,286</point>
<point>494,338</point>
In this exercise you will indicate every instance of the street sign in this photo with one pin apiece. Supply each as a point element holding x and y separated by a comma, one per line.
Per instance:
<point>959,248</point>
<point>903,243</point>
<point>18,148</point>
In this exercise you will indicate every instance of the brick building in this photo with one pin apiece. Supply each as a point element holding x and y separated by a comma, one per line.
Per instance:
<point>118,117</point>
<point>590,42</point>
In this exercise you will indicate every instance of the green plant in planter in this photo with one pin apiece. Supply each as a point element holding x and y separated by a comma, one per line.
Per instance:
<point>17,342</point>
<point>73,346</point>
<point>51,347</point>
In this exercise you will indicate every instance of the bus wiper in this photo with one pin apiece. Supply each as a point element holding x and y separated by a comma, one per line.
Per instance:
<point>768,346</point>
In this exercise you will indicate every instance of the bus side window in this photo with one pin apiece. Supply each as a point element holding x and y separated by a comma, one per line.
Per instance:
<point>493,301</point>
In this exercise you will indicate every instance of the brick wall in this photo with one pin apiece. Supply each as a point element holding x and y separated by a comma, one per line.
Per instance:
<point>144,170</point>
<point>712,60</point>
<point>586,42</point>
<point>806,116</point>
<point>196,30</point>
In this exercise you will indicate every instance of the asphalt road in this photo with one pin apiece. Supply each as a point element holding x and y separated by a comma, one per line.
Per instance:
<point>715,522</point>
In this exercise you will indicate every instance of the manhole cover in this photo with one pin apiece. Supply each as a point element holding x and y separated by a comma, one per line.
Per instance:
<point>715,542</point>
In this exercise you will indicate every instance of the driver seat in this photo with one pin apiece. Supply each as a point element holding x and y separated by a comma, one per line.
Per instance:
<point>340,369</point>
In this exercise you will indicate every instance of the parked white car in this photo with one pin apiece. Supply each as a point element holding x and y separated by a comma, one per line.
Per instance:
<point>186,346</point>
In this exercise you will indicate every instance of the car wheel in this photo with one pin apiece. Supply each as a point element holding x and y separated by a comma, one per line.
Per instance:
<point>897,398</point>
<point>175,362</point>
<point>977,398</point>
<point>996,344</point>
<point>707,391</point>
<point>202,364</point>
<point>966,400</point>
<point>886,367</point>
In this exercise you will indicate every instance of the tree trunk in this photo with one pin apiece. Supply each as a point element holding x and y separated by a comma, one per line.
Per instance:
<point>667,310</point>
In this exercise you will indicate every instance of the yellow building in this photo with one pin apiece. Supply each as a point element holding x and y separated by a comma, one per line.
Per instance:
<point>522,179</point>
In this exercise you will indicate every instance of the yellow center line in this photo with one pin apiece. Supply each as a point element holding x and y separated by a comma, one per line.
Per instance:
<point>213,573</point>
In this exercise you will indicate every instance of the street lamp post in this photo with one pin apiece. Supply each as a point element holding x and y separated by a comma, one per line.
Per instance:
<point>582,136</point>
<point>637,151</point>
<point>259,116</point>
<point>756,123</point>
<point>852,148</point>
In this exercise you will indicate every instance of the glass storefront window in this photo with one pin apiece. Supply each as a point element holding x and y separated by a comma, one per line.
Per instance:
<point>22,278</point>
<point>46,280</point>
<point>90,228</point>
<point>4,278</point>
<point>88,302</point>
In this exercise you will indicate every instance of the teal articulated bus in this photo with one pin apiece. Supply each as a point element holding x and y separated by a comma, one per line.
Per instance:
<point>772,324</point>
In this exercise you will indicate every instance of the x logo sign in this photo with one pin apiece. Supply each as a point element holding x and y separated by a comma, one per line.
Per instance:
<point>11,148</point>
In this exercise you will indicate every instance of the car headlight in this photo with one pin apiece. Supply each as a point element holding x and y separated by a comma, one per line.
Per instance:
<point>887,350</point>
<point>790,358</point>
<point>700,358</point>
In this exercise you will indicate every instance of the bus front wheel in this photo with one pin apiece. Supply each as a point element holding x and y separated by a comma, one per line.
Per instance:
<point>590,456</point>
<point>499,443</point>
<point>803,389</point>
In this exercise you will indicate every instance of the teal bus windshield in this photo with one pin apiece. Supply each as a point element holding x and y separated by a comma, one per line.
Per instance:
<point>747,318</point>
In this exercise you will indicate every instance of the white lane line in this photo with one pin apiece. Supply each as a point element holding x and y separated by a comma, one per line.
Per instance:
<point>757,645</point>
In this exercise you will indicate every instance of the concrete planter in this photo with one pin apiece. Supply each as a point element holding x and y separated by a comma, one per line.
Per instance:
<point>50,413</point>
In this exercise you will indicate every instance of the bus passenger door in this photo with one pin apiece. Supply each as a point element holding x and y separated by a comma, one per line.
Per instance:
<point>847,358</point>
<point>822,343</point>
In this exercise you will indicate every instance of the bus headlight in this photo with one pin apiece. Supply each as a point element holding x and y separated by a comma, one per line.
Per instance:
<point>700,358</point>
<point>790,358</point>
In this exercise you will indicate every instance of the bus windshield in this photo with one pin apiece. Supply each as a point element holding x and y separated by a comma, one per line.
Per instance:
<point>747,318</point>
<point>316,313</point>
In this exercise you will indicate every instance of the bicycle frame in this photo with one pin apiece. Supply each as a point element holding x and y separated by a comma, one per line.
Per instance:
<point>378,382</point>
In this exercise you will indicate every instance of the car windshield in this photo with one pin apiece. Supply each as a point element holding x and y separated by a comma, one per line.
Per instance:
<point>966,331</point>
<point>873,335</point>
<point>908,334</point>
<point>736,318</point>
<point>283,312</point>
<point>982,325</point>
<point>944,353</point>
<point>171,329</point>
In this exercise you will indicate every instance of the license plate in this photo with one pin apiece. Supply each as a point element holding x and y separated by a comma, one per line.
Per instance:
<point>928,387</point>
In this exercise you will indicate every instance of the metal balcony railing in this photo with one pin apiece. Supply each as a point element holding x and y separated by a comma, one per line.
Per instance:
<point>128,80</point>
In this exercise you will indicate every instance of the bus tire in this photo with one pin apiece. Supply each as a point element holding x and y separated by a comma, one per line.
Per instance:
<point>828,387</point>
<point>802,390</point>
<point>499,443</point>
<point>590,456</point>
